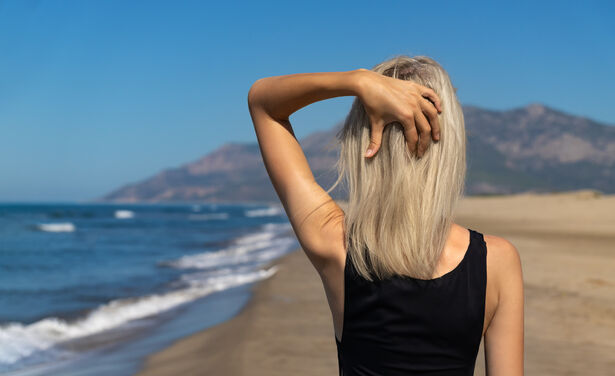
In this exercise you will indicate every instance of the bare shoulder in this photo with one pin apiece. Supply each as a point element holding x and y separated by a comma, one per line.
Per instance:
<point>503,266</point>
<point>500,244</point>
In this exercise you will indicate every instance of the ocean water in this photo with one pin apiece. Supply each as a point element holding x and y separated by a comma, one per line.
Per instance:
<point>75,278</point>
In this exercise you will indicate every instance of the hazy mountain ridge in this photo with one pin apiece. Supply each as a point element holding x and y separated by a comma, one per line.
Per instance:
<point>534,148</point>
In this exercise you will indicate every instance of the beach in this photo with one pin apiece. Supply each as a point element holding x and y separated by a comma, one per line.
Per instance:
<point>567,246</point>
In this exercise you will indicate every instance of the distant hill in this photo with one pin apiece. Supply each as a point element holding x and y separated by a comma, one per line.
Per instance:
<point>534,148</point>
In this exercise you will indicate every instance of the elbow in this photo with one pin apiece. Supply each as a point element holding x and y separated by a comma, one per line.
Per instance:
<point>253,93</point>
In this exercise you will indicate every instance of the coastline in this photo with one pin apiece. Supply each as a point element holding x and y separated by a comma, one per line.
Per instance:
<point>565,242</point>
<point>271,317</point>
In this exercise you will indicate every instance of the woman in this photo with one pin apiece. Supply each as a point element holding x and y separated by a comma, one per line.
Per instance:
<point>410,291</point>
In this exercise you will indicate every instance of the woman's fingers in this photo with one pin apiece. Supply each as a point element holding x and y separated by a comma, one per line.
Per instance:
<point>432,115</point>
<point>424,131</point>
<point>429,93</point>
<point>411,134</point>
<point>418,116</point>
<point>375,138</point>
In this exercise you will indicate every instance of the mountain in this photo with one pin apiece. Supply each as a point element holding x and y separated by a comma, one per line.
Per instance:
<point>534,148</point>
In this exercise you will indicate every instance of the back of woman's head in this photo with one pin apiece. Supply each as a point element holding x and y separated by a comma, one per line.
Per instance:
<point>400,208</point>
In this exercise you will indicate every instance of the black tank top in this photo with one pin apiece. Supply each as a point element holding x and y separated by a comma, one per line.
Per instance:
<point>407,326</point>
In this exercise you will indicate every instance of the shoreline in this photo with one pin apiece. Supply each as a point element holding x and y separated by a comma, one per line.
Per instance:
<point>230,348</point>
<point>565,242</point>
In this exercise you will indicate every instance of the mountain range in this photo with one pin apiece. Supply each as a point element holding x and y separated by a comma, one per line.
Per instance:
<point>534,148</point>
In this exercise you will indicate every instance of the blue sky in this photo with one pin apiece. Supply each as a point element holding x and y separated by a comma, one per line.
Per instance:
<point>96,94</point>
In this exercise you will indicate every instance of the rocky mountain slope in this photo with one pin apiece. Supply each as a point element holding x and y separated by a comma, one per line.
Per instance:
<point>534,148</point>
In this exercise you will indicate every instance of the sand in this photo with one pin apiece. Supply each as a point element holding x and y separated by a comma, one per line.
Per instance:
<point>567,247</point>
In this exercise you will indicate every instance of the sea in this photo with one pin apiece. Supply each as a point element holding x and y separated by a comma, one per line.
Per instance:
<point>92,289</point>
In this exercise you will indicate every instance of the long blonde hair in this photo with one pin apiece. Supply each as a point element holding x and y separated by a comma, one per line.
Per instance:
<point>400,208</point>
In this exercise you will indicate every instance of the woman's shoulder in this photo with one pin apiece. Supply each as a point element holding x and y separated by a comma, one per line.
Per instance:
<point>502,253</point>
<point>503,264</point>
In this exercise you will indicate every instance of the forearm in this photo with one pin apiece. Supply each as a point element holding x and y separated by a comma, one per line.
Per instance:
<point>280,96</point>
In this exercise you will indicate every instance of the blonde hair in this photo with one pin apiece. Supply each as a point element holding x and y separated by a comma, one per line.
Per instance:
<point>400,208</point>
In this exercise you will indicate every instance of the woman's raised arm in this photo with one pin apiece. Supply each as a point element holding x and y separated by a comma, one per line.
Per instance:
<point>280,96</point>
<point>316,219</point>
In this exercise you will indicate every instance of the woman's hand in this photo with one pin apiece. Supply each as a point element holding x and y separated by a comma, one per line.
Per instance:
<point>388,100</point>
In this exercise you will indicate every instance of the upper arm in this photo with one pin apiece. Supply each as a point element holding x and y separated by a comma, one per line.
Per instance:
<point>316,218</point>
<point>504,337</point>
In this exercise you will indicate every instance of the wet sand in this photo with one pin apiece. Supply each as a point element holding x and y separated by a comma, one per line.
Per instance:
<point>567,247</point>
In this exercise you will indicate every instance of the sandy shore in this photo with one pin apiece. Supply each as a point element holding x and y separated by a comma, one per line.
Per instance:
<point>567,247</point>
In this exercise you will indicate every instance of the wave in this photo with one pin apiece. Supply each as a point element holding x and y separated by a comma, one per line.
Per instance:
<point>56,227</point>
<point>124,214</point>
<point>255,249</point>
<point>19,342</point>
<point>206,217</point>
<point>265,212</point>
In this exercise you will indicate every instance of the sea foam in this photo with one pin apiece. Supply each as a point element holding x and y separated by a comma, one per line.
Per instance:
<point>56,227</point>
<point>208,216</point>
<point>18,341</point>
<point>258,249</point>
<point>124,214</point>
<point>266,212</point>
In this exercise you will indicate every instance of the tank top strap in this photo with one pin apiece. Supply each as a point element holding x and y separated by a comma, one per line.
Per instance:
<point>476,272</point>
<point>477,251</point>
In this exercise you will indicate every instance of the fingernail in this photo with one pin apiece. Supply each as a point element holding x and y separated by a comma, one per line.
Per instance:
<point>369,153</point>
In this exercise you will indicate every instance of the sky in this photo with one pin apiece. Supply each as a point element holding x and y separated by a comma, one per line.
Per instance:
<point>98,94</point>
